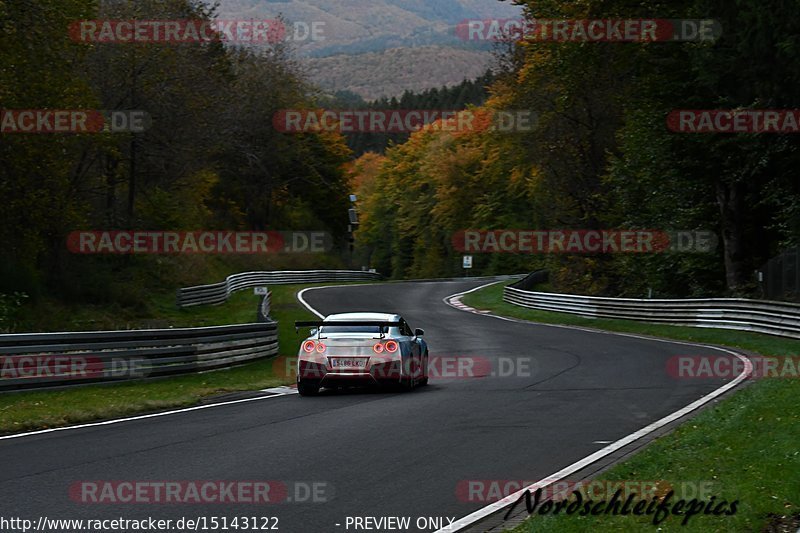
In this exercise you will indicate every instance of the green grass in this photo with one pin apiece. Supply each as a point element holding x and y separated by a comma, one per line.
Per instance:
<point>745,447</point>
<point>38,410</point>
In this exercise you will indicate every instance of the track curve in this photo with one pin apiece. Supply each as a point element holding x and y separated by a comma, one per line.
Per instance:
<point>378,453</point>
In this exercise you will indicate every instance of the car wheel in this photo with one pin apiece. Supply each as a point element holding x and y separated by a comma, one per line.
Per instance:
<point>307,388</point>
<point>410,381</point>
<point>424,380</point>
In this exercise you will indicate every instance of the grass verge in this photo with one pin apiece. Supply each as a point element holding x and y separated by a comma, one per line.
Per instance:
<point>745,448</point>
<point>24,411</point>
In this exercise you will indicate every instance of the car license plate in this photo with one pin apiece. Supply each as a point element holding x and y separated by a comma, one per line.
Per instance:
<point>348,363</point>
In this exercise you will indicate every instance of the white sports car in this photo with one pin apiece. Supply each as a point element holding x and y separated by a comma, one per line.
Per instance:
<point>361,349</point>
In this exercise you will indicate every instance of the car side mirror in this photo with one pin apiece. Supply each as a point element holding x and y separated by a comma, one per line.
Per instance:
<point>419,332</point>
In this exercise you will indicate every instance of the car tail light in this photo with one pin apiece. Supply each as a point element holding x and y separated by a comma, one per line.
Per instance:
<point>320,348</point>
<point>308,346</point>
<point>391,346</point>
<point>378,348</point>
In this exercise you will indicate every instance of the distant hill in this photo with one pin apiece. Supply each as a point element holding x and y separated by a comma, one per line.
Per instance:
<point>356,26</point>
<point>391,72</point>
<point>382,47</point>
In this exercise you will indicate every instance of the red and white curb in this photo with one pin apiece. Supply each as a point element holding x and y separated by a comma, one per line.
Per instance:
<point>455,301</point>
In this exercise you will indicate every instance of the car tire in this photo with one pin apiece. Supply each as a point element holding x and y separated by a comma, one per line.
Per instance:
<point>406,386</point>
<point>409,382</point>
<point>406,383</point>
<point>307,388</point>
<point>424,380</point>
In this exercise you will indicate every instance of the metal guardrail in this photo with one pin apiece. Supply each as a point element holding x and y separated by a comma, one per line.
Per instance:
<point>38,360</point>
<point>760,316</point>
<point>218,293</point>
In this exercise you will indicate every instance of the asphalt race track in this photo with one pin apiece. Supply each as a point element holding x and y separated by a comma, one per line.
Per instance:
<point>375,454</point>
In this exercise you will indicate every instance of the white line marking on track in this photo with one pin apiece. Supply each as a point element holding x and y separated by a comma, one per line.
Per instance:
<point>305,303</point>
<point>143,417</point>
<point>490,509</point>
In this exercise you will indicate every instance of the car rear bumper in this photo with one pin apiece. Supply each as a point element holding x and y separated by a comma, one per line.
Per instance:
<point>377,374</point>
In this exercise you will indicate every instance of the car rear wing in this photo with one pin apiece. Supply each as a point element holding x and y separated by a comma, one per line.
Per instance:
<point>321,323</point>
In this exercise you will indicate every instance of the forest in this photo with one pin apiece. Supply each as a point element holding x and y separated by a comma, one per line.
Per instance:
<point>603,156</point>
<point>209,158</point>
